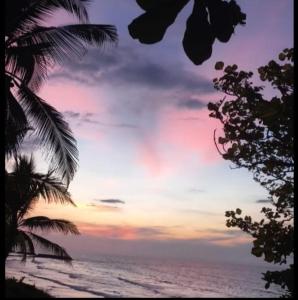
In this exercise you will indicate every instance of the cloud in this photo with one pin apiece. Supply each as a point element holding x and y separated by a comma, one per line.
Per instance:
<point>233,232</point>
<point>190,137</point>
<point>191,104</point>
<point>114,201</point>
<point>153,75</point>
<point>150,158</point>
<point>90,118</point>
<point>171,144</point>
<point>200,212</point>
<point>124,231</point>
<point>195,190</point>
<point>104,208</point>
<point>228,237</point>
<point>190,119</point>
<point>72,114</point>
<point>123,65</point>
<point>89,246</point>
<point>263,201</point>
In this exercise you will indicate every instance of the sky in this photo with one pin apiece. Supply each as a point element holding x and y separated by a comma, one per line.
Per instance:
<point>150,180</point>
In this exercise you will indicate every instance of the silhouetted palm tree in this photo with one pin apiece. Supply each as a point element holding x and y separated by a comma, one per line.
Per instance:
<point>30,50</point>
<point>24,187</point>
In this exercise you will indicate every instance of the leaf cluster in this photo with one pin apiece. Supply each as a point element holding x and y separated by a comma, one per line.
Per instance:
<point>258,135</point>
<point>31,50</point>
<point>209,20</point>
<point>23,188</point>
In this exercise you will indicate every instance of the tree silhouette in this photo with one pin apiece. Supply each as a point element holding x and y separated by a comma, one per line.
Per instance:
<point>30,51</point>
<point>258,135</point>
<point>209,20</point>
<point>24,187</point>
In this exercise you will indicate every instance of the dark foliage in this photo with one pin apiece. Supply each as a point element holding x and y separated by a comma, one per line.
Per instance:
<point>31,49</point>
<point>258,135</point>
<point>18,289</point>
<point>210,19</point>
<point>23,188</point>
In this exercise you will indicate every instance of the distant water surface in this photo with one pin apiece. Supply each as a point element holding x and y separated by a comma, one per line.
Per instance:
<point>141,277</point>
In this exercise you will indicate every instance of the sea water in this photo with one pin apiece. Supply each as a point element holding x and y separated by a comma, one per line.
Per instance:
<point>116,276</point>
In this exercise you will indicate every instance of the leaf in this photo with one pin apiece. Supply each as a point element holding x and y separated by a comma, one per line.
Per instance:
<point>211,106</point>
<point>282,56</point>
<point>219,65</point>
<point>257,251</point>
<point>16,124</point>
<point>67,40</point>
<point>151,26</point>
<point>51,188</point>
<point>150,4</point>
<point>238,211</point>
<point>57,250</point>
<point>224,16</point>
<point>29,63</point>
<point>22,18</point>
<point>44,223</point>
<point>222,140</point>
<point>198,37</point>
<point>54,132</point>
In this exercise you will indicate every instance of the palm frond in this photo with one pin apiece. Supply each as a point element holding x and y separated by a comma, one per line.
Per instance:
<point>14,111</point>
<point>16,125</point>
<point>96,34</point>
<point>24,187</point>
<point>21,192</point>
<point>24,244</point>
<point>54,132</point>
<point>69,40</point>
<point>33,12</point>
<point>23,168</point>
<point>47,224</point>
<point>30,63</point>
<point>51,188</point>
<point>65,43</point>
<point>41,48</point>
<point>54,248</point>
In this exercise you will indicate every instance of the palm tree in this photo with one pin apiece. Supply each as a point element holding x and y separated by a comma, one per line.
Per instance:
<point>24,187</point>
<point>31,49</point>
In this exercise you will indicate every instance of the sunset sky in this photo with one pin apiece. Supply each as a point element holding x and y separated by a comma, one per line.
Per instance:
<point>150,180</point>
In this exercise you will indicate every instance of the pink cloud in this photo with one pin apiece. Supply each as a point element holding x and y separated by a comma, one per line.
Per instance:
<point>107,231</point>
<point>190,132</point>
<point>70,97</point>
<point>150,158</point>
<point>182,135</point>
<point>124,232</point>
<point>130,232</point>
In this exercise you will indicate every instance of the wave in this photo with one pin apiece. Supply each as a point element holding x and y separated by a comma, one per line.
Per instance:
<point>70,275</point>
<point>165,281</point>
<point>38,262</point>
<point>75,287</point>
<point>110,279</point>
<point>150,287</point>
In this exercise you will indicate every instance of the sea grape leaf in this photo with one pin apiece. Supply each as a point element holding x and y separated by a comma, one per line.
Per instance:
<point>151,26</point>
<point>210,19</point>
<point>198,37</point>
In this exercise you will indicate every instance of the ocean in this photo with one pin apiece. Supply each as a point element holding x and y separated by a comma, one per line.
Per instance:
<point>116,276</point>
